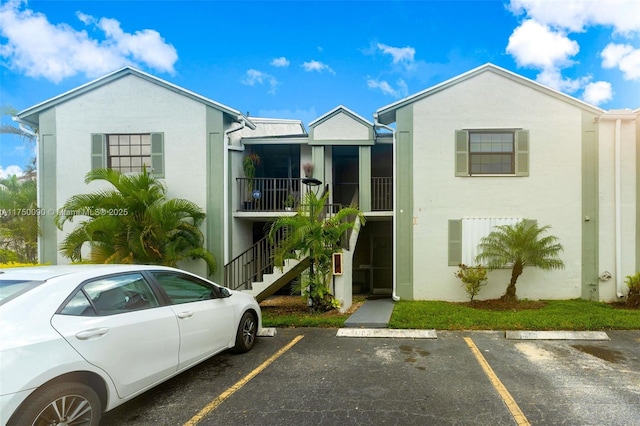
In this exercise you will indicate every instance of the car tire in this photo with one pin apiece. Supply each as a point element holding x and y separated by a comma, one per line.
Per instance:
<point>247,333</point>
<point>44,406</point>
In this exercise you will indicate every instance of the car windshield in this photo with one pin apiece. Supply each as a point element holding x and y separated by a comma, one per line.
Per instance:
<point>10,289</point>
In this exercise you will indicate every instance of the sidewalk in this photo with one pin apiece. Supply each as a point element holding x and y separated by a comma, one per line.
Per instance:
<point>374,313</point>
<point>372,320</point>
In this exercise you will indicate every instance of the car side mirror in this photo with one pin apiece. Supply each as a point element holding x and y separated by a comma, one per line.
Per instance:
<point>224,292</point>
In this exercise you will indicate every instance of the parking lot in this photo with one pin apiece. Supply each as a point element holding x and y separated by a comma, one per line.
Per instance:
<point>312,377</point>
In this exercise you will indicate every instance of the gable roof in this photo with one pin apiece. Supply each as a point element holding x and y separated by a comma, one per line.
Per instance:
<point>337,110</point>
<point>30,115</point>
<point>387,114</point>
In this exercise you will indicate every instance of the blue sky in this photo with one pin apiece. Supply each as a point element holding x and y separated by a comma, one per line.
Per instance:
<point>300,59</point>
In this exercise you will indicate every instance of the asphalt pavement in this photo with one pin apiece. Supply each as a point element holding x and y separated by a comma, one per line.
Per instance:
<point>309,376</point>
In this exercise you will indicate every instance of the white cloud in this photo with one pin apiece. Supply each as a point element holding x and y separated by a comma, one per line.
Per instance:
<point>400,55</point>
<point>541,41</point>
<point>317,66</point>
<point>85,19</point>
<point>5,172</point>
<point>598,92</point>
<point>552,77</point>
<point>575,15</point>
<point>624,57</point>
<point>146,46</point>
<point>57,51</point>
<point>536,45</point>
<point>533,44</point>
<point>280,62</point>
<point>399,92</point>
<point>253,77</point>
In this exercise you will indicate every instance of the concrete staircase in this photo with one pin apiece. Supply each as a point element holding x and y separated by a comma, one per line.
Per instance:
<point>279,278</point>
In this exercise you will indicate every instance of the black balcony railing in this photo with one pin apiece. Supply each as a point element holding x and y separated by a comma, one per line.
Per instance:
<point>282,194</point>
<point>268,194</point>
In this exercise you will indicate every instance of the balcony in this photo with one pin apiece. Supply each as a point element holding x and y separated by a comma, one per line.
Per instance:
<point>277,194</point>
<point>268,194</point>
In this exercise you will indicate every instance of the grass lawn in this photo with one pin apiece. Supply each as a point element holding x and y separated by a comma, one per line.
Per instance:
<point>574,314</point>
<point>291,311</point>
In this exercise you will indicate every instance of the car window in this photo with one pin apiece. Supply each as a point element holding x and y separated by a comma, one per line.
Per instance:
<point>183,288</point>
<point>112,295</point>
<point>10,289</point>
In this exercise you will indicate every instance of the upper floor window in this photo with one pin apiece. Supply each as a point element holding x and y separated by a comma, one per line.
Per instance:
<point>129,153</point>
<point>492,152</point>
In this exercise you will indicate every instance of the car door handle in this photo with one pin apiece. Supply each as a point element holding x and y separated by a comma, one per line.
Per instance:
<point>183,315</point>
<point>94,332</point>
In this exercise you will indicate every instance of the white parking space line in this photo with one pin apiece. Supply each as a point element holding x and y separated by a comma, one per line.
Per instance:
<point>386,332</point>
<point>240,383</point>
<point>513,407</point>
<point>556,335</point>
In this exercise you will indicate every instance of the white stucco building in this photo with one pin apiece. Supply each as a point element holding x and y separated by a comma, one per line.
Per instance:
<point>432,173</point>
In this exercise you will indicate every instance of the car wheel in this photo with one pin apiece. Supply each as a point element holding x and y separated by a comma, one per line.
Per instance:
<point>71,404</point>
<point>247,332</point>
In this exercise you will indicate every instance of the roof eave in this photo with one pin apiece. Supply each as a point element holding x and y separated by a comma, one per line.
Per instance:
<point>35,110</point>
<point>387,114</point>
<point>340,108</point>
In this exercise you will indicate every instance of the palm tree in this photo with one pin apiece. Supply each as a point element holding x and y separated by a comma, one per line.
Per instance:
<point>133,223</point>
<point>311,233</point>
<point>19,218</point>
<point>520,245</point>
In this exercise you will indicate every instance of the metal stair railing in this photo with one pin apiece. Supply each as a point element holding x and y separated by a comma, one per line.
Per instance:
<point>252,264</point>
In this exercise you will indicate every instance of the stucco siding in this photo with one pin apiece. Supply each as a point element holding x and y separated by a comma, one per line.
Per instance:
<point>132,105</point>
<point>550,194</point>
<point>341,127</point>
<point>612,203</point>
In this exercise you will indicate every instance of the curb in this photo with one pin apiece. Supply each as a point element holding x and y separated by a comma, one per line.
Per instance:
<point>432,334</point>
<point>386,332</point>
<point>556,335</point>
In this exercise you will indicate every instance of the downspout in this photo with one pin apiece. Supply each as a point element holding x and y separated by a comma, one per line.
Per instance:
<point>225,172</point>
<point>394,294</point>
<point>617,202</point>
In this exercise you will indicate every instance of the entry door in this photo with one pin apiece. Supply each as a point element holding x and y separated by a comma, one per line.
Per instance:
<point>381,264</point>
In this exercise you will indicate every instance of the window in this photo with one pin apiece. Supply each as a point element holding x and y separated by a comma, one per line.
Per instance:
<point>10,289</point>
<point>492,152</point>
<point>465,235</point>
<point>111,295</point>
<point>128,153</point>
<point>184,288</point>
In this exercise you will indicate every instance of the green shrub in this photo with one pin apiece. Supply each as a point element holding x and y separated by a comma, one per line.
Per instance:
<point>7,256</point>
<point>472,278</point>
<point>633,297</point>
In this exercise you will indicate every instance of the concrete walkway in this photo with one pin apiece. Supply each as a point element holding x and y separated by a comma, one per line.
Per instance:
<point>374,313</point>
<point>372,319</point>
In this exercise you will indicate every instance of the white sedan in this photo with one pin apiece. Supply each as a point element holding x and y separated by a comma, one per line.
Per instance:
<point>78,340</point>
